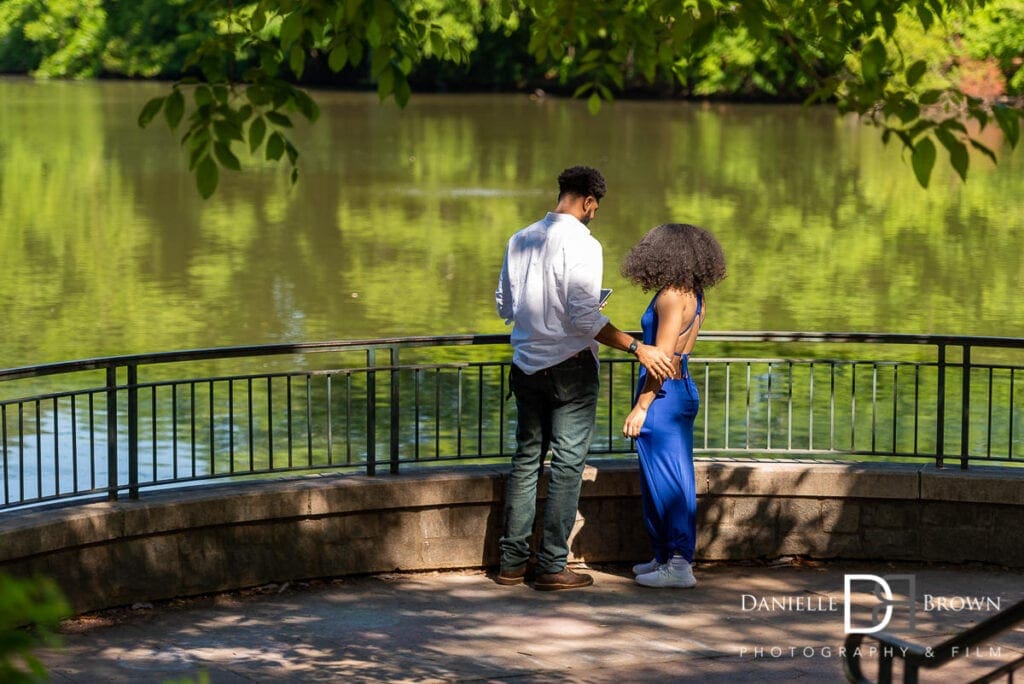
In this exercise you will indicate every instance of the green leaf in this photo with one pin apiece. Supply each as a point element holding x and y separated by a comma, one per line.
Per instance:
<point>386,82</point>
<point>278,119</point>
<point>594,103</point>
<point>402,91</point>
<point>306,106</point>
<point>293,154</point>
<point>203,96</point>
<point>297,60</point>
<point>373,33</point>
<point>227,131</point>
<point>226,157</point>
<point>336,60</point>
<point>1009,121</point>
<point>925,16</point>
<point>258,95</point>
<point>923,159</point>
<point>930,97</point>
<point>291,28</point>
<point>888,22</point>
<point>958,156</point>
<point>150,110</point>
<point>258,19</point>
<point>355,51</point>
<point>979,115</point>
<point>984,150</point>
<point>207,177</point>
<point>195,155</point>
<point>915,72</point>
<point>257,129</point>
<point>908,111</point>
<point>275,146</point>
<point>437,45</point>
<point>174,108</point>
<point>586,87</point>
<point>872,60</point>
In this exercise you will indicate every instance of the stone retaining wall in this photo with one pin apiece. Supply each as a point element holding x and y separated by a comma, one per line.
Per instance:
<point>223,537</point>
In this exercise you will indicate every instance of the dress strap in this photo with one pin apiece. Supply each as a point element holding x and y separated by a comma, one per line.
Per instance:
<point>696,315</point>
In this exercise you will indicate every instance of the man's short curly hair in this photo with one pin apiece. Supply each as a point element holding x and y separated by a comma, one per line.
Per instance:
<point>581,181</point>
<point>675,255</point>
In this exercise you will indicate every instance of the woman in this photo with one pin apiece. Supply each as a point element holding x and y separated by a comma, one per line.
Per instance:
<point>679,262</point>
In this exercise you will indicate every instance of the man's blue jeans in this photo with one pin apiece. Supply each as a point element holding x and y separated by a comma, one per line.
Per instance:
<point>557,408</point>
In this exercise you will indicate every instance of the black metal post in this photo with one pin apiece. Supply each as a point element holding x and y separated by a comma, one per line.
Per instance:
<point>940,409</point>
<point>965,415</point>
<point>395,411</point>
<point>133,431</point>
<point>371,413</point>
<point>112,433</point>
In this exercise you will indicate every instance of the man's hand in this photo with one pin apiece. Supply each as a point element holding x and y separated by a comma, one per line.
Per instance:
<point>658,363</point>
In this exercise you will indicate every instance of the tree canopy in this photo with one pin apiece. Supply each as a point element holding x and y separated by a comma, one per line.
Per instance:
<point>242,64</point>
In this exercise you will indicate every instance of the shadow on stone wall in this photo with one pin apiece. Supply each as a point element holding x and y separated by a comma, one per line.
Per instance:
<point>217,538</point>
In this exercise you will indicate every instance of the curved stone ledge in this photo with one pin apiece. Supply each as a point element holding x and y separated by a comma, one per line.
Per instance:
<point>222,537</point>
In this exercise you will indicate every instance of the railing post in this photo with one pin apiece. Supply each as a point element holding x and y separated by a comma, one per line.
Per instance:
<point>371,413</point>
<point>133,431</point>
<point>940,408</point>
<point>395,412</point>
<point>965,415</point>
<point>112,433</point>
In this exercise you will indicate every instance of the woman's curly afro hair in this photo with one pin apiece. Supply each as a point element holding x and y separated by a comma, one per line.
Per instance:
<point>675,255</point>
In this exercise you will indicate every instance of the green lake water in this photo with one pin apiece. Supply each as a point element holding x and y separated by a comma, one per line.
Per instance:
<point>398,223</point>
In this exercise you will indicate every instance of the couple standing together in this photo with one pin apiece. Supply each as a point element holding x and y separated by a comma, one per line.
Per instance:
<point>549,290</point>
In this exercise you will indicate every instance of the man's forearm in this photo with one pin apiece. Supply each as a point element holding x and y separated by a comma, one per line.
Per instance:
<point>610,336</point>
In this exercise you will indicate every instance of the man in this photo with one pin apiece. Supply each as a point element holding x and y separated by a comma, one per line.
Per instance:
<point>549,288</point>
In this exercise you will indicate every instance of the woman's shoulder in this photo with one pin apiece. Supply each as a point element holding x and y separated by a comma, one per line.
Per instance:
<point>675,296</point>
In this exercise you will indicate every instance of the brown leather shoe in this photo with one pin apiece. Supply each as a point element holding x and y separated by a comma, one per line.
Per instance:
<point>510,576</point>
<point>566,579</point>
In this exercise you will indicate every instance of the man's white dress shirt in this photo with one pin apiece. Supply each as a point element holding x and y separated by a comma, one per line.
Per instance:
<point>549,289</point>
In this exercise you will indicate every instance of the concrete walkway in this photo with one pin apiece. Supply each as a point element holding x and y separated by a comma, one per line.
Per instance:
<point>779,621</point>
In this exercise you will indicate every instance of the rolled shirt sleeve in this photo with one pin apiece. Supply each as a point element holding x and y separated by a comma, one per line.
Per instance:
<point>584,269</point>
<point>503,295</point>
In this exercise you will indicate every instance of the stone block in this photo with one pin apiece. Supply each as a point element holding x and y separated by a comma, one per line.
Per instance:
<point>713,511</point>
<point>610,478</point>
<point>949,515</point>
<point>36,532</point>
<point>984,484</point>
<point>724,542</point>
<point>891,544</point>
<point>803,541</point>
<point>840,515</point>
<point>452,552</point>
<point>816,480</point>
<point>751,511</point>
<point>891,515</point>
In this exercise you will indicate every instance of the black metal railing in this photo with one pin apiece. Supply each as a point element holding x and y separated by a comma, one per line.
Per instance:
<point>109,426</point>
<point>916,657</point>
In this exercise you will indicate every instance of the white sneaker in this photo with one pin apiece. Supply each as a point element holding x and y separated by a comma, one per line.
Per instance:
<point>644,568</point>
<point>676,573</point>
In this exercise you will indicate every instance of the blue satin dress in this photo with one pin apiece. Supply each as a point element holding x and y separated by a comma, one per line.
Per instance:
<point>665,449</point>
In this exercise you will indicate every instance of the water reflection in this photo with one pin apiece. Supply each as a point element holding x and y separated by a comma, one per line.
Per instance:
<point>398,224</point>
